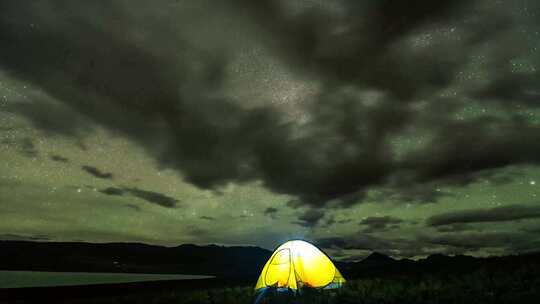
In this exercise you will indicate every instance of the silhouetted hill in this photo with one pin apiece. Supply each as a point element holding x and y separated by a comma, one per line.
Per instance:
<point>377,259</point>
<point>132,257</point>
<point>378,264</point>
<point>220,261</point>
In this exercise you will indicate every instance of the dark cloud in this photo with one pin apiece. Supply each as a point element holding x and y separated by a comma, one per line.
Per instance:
<point>532,229</point>
<point>198,232</point>
<point>334,242</point>
<point>97,173</point>
<point>380,223</point>
<point>24,237</point>
<point>498,214</point>
<point>329,221</point>
<point>476,241</point>
<point>419,193</point>
<point>270,211</point>
<point>59,158</point>
<point>484,151</point>
<point>25,146</point>
<point>28,148</point>
<point>153,197</point>
<point>530,245</point>
<point>149,196</point>
<point>52,117</point>
<point>389,71</point>
<point>457,227</point>
<point>446,243</point>
<point>355,45</point>
<point>498,178</point>
<point>310,217</point>
<point>208,218</point>
<point>430,190</point>
<point>295,203</point>
<point>392,246</point>
<point>113,191</point>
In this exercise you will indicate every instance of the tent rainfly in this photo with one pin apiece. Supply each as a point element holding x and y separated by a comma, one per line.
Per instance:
<point>298,264</point>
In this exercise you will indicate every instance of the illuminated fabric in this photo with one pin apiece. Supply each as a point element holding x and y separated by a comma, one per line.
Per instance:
<point>298,264</point>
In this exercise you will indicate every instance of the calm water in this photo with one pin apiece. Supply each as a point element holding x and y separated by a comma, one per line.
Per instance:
<point>14,279</point>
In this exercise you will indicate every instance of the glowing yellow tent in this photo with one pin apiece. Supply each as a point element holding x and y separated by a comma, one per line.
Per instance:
<point>298,264</point>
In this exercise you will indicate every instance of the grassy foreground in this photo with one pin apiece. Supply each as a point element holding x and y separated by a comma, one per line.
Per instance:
<point>519,286</point>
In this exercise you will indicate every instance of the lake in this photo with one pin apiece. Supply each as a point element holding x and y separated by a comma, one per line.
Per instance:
<point>16,279</point>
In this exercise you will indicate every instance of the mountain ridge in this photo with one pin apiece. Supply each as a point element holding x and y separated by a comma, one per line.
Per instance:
<point>132,258</point>
<point>216,260</point>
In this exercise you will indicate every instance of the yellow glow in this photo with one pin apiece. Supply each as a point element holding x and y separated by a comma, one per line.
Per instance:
<point>298,264</point>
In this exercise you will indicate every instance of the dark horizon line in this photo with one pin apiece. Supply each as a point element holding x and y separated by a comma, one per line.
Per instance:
<point>373,252</point>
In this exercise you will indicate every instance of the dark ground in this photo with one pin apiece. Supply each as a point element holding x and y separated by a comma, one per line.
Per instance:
<point>378,279</point>
<point>483,285</point>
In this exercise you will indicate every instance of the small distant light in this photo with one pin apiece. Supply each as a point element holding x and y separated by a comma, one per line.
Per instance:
<point>532,182</point>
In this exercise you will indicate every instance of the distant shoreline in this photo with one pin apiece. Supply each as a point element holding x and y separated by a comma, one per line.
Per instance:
<point>25,279</point>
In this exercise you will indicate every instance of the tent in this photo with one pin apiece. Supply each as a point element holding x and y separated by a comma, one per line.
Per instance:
<point>298,264</point>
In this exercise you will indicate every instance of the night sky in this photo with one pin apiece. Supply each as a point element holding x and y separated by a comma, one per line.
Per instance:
<point>404,127</point>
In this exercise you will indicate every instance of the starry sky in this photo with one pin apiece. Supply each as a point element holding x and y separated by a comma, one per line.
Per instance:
<point>404,127</point>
